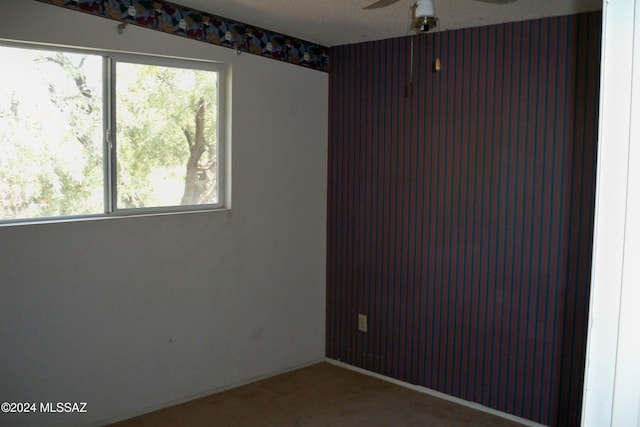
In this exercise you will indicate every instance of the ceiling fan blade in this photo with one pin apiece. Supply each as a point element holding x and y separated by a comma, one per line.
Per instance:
<point>381,3</point>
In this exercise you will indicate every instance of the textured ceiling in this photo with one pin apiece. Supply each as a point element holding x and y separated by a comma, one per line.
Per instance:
<point>337,22</point>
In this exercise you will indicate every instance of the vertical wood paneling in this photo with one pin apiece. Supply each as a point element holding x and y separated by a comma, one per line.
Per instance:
<point>460,213</point>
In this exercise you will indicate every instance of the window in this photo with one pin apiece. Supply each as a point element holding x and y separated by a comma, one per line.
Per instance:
<point>86,134</point>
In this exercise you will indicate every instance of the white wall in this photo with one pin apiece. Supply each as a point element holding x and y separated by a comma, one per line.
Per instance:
<point>135,313</point>
<point>612,378</point>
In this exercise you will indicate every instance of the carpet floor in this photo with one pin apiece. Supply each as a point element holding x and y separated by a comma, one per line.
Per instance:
<point>315,396</point>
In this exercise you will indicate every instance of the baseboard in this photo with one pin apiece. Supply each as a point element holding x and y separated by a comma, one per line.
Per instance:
<point>206,393</point>
<point>437,394</point>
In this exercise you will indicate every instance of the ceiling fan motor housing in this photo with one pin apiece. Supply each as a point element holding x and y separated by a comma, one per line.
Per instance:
<point>425,24</point>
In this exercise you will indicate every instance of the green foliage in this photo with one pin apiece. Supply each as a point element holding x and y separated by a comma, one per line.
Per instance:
<point>44,171</point>
<point>156,109</point>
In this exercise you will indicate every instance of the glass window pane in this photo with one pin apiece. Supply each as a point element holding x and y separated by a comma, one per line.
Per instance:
<point>167,148</point>
<point>51,151</point>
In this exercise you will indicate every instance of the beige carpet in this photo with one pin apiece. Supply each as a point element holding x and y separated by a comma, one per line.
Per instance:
<point>319,395</point>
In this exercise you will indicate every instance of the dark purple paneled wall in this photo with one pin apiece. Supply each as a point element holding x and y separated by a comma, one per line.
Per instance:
<point>460,211</point>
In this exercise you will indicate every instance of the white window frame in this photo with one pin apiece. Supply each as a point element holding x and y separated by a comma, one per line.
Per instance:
<point>110,59</point>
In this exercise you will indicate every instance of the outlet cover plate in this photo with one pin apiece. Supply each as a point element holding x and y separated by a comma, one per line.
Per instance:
<point>362,322</point>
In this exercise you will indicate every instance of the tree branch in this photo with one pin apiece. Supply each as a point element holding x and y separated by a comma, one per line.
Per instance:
<point>210,164</point>
<point>189,137</point>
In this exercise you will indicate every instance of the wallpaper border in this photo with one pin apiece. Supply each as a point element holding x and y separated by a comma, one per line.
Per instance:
<point>205,27</point>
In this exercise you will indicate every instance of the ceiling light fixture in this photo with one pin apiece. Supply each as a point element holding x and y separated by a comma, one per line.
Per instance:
<point>424,16</point>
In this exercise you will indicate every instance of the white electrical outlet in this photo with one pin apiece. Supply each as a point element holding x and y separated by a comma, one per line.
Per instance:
<point>362,322</point>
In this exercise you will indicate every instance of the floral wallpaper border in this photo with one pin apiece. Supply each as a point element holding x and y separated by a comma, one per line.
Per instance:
<point>186,22</point>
